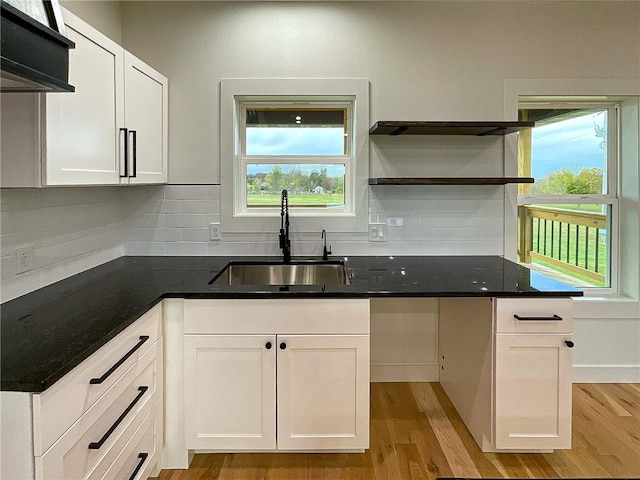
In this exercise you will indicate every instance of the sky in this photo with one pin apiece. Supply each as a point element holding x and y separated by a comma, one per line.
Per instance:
<point>295,141</point>
<point>571,143</point>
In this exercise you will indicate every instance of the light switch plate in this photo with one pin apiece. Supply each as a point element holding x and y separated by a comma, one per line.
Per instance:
<point>377,232</point>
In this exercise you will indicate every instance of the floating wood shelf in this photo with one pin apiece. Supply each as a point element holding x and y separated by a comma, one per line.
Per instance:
<point>479,129</point>
<point>450,181</point>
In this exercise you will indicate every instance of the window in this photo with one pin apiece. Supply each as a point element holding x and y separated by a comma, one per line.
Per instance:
<point>566,219</point>
<point>303,147</point>
<point>308,136</point>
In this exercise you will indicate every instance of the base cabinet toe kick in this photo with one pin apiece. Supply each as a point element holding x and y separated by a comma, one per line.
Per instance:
<point>505,364</point>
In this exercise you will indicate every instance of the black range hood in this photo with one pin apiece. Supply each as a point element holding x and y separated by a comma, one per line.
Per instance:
<point>35,58</point>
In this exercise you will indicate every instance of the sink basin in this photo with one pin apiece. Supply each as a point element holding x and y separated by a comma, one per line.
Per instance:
<point>294,273</point>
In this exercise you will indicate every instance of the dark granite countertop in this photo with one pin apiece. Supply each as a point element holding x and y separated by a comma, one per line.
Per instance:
<point>46,333</point>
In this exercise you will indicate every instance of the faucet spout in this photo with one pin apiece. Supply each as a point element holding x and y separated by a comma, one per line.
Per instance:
<point>325,252</point>
<point>285,242</point>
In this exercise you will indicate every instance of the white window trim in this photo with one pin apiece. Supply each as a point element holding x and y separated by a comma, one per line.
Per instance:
<point>353,219</point>
<point>628,92</point>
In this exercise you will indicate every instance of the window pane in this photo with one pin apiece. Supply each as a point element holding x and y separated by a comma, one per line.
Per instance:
<point>299,131</point>
<point>307,185</point>
<point>568,242</point>
<point>568,151</point>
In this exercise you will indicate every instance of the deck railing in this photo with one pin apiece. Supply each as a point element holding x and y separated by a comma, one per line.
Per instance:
<point>566,240</point>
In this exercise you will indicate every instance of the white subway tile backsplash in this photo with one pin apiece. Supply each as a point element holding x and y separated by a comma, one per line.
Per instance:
<point>160,234</point>
<point>482,247</point>
<point>7,267</point>
<point>201,206</point>
<point>186,192</point>
<point>168,206</point>
<point>185,220</point>
<point>12,199</point>
<point>193,248</point>
<point>75,228</point>
<point>213,191</point>
<point>195,234</point>
<point>147,221</point>
<point>11,241</point>
<point>7,222</point>
<point>144,248</point>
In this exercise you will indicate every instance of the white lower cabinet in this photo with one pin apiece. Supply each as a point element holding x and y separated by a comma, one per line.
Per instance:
<point>283,390</point>
<point>230,391</point>
<point>507,370</point>
<point>88,424</point>
<point>532,392</point>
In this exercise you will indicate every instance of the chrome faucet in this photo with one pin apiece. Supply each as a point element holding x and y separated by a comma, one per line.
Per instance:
<point>285,243</point>
<point>325,252</point>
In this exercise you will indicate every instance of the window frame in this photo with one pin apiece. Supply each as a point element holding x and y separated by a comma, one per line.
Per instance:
<point>609,198</point>
<point>235,218</point>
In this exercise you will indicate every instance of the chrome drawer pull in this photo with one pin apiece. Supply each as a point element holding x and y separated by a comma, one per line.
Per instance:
<point>143,458</point>
<point>97,445</point>
<point>95,381</point>
<point>555,318</point>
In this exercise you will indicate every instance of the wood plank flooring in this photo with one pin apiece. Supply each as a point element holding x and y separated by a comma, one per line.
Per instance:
<point>416,433</point>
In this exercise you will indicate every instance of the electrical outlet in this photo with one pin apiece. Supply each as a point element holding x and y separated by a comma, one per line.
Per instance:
<point>24,259</point>
<point>377,232</point>
<point>214,231</point>
<point>395,221</point>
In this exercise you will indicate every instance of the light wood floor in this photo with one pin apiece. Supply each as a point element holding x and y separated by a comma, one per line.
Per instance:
<point>408,442</point>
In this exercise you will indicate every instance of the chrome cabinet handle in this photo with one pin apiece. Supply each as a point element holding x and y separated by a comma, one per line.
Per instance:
<point>95,381</point>
<point>98,444</point>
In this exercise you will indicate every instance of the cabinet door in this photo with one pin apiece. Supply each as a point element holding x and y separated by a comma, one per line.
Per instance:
<point>146,116</point>
<point>230,392</point>
<point>82,128</point>
<point>532,392</point>
<point>323,392</point>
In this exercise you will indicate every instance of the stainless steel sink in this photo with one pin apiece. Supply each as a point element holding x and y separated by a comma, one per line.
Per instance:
<point>294,273</point>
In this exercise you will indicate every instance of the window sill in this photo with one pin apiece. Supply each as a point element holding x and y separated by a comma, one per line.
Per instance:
<point>606,307</point>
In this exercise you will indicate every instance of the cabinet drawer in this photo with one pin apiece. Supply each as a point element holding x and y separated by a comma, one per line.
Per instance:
<point>87,442</point>
<point>57,408</point>
<point>290,316</point>
<point>141,450</point>
<point>536,315</point>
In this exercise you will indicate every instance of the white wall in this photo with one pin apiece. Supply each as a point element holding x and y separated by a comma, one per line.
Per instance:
<point>105,16</point>
<point>425,60</point>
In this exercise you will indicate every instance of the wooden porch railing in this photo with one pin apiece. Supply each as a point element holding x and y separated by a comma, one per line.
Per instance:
<point>567,240</point>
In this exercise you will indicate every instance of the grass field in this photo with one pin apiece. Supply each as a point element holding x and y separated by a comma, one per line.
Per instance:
<point>295,200</point>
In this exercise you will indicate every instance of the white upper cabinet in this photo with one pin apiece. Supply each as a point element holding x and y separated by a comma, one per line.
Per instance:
<point>112,130</point>
<point>146,100</point>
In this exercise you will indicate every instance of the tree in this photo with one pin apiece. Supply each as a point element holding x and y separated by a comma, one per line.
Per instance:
<point>275,179</point>
<point>567,181</point>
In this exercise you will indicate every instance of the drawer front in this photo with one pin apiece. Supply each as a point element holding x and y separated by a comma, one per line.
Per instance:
<point>536,315</point>
<point>140,453</point>
<point>58,407</point>
<point>87,442</point>
<point>278,316</point>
